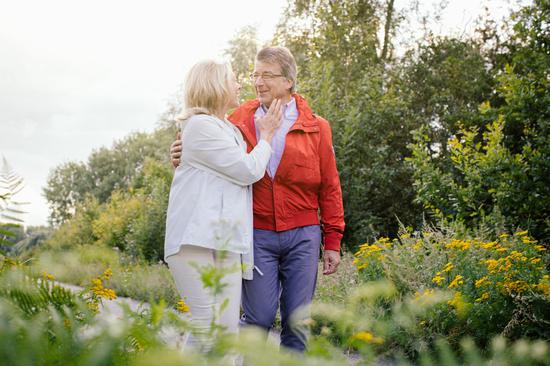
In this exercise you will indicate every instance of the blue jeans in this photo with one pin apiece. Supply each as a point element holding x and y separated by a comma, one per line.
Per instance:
<point>287,272</point>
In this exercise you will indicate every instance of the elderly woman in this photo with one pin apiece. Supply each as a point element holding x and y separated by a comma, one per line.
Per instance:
<point>209,218</point>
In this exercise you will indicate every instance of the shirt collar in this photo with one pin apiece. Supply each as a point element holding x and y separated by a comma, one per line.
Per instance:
<point>288,107</point>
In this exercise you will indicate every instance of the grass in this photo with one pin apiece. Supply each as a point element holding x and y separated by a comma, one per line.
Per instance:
<point>152,282</point>
<point>79,265</point>
<point>335,288</point>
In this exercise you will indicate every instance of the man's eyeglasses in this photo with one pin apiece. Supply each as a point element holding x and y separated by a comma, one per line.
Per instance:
<point>266,76</point>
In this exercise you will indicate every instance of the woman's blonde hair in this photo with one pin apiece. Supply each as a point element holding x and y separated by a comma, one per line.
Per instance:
<point>207,88</point>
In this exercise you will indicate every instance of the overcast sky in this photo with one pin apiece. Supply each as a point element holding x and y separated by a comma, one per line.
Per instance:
<point>76,75</point>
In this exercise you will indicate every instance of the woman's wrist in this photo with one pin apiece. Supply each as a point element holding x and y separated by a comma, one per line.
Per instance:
<point>267,137</point>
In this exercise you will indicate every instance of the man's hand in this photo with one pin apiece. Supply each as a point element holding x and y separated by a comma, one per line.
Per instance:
<point>175,151</point>
<point>331,260</point>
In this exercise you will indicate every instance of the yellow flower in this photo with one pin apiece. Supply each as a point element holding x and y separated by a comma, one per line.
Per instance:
<point>93,306</point>
<point>493,265</point>
<point>528,240</point>
<point>459,280</point>
<point>102,292</point>
<point>48,276</point>
<point>481,281</point>
<point>182,307</point>
<point>522,233</point>
<point>484,296</point>
<point>539,248</point>
<point>503,236</point>
<point>516,286</point>
<point>535,260</point>
<point>544,287</point>
<point>438,279</point>
<point>491,245</point>
<point>459,244</point>
<point>449,266</point>
<point>462,307</point>
<point>107,274</point>
<point>426,293</point>
<point>384,241</point>
<point>368,337</point>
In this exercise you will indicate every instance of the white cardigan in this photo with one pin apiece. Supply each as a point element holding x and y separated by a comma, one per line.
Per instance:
<point>210,201</point>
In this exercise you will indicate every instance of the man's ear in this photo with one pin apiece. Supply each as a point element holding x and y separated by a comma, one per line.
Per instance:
<point>290,84</point>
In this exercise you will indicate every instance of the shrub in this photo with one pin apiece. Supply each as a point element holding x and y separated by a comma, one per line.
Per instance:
<point>496,287</point>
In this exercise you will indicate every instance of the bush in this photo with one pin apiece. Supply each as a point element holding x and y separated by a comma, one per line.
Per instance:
<point>495,287</point>
<point>487,185</point>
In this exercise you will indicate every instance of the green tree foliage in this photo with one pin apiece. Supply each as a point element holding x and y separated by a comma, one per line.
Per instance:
<point>132,220</point>
<point>107,170</point>
<point>446,80</point>
<point>242,51</point>
<point>499,174</point>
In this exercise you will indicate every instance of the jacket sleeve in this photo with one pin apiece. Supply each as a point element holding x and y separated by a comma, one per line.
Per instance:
<point>330,193</point>
<point>205,145</point>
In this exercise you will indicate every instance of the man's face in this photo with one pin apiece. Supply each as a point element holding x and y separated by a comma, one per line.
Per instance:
<point>272,85</point>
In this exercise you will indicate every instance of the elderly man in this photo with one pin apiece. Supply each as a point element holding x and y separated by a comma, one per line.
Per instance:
<point>296,204</point>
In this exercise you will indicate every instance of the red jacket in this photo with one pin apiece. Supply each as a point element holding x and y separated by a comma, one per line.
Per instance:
<point>306,179</point>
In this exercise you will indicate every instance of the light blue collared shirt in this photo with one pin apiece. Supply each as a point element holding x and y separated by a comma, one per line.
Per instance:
<point>290,115</point>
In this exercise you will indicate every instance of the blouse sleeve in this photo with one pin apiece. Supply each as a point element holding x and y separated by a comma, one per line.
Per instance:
<point>207,145</point>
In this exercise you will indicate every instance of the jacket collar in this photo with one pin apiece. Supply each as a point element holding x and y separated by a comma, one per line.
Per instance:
<point>243,118</point>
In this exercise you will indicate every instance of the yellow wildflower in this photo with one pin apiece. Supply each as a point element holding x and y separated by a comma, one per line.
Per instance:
<point>491,245</point>
<point>492,265</point>
<point>459,244</point>
<point>182,307</point>
<point>539,248</point>
<point>368,337</point>
<point>461,306</point>
<point>100,291</point>
<point>449,266</point>
<point>522,233</point>
<point>481,281</point>
<point>484,296</point>
<point>426,293</point>
<point>384,241</point>
<point>535,260</point>
<point>438,279</point>
<point>48,276</point>
<point>544,287</point>
<point>93,306</point>
<point>516,286</point>
<point>107,274</point>
<point>458,280</point>
<point>503,236</point>
<point>528,240</point>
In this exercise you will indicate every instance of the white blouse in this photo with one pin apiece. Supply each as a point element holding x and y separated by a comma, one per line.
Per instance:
<point>210,201</point>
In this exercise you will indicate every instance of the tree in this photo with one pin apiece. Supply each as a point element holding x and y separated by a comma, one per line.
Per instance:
<point>242,52</point>
<point>107,170</point>
<point>498,171</point>
<point>349,75</point>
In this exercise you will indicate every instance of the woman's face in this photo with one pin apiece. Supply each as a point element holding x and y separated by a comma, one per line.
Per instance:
<point>235,91</point>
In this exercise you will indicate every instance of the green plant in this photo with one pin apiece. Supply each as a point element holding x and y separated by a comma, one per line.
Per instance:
<point>495,286</point>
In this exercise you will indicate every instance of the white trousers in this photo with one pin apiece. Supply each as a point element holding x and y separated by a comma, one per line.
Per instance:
<point>204,305</point>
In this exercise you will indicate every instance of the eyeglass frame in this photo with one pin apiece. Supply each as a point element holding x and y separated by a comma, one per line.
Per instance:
<point>253,77</point>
